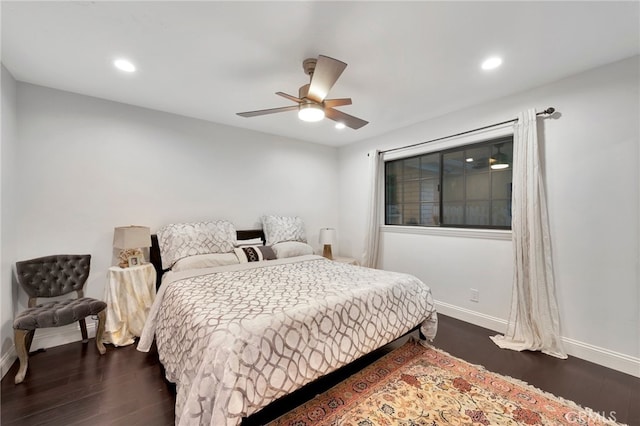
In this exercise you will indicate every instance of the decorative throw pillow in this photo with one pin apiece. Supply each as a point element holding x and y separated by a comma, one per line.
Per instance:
<point>283,228</point>
<point>254,253</point>
<point>179,240</point>
<point>291,249</point>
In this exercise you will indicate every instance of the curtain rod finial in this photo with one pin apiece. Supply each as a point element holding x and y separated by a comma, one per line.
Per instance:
<point>549,110</point>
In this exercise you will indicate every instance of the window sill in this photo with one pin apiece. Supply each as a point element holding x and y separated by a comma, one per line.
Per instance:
<point>488,234</point>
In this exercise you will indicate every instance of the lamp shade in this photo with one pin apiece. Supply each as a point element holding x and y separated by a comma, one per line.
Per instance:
<point>327,236</point>
<point>131,237</point>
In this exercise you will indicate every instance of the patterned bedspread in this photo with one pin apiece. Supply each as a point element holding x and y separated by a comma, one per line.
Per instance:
<point>236,338</point>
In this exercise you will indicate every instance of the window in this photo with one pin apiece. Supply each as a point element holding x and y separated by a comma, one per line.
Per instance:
<point>468,186</point>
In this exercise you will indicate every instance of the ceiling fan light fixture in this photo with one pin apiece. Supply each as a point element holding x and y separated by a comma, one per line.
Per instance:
<point>311,103</point>
<point>500,166</point>
<point>500,160</point>
<point>310,112</point>
<point>340,125</point>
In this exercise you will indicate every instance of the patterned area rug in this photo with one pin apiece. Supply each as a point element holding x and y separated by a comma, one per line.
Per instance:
<point>416,385</point>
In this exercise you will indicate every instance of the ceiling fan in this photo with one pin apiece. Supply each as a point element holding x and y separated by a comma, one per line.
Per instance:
<point>311,102</point>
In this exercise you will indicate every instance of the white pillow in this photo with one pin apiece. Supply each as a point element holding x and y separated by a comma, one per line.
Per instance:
<point>205,261</point>
<point>291,249</point>
<point>283,228</point>
<point>251,242</point>
<point>180,240</point>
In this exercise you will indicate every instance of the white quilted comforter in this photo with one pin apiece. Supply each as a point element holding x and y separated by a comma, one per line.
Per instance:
<point>235,338</point>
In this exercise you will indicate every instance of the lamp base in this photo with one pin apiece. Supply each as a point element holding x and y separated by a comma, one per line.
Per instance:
<point>327,252</point>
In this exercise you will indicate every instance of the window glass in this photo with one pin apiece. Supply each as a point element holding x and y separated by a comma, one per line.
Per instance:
<point>478,186</point>
<point>430,166</point>
<point>501,213</point>
<point>429,190</point>
<point>430,214</point>
<point>412,168</point>
<point>501,184</point>
<point>468,186</point>
<point>477,159</point>
<point>411,214</point>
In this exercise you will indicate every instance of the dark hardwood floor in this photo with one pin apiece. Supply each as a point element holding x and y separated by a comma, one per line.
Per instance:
<point>73,385</point>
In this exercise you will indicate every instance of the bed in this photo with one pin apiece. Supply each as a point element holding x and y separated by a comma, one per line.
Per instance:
<point>234,338</point>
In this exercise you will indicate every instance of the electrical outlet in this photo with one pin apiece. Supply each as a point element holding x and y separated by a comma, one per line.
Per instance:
<point>475,295</point>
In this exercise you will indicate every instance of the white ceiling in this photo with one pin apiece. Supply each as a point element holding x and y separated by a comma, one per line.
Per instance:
<point>407,61</point>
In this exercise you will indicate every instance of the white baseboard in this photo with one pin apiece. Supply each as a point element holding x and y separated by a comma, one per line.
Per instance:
<point>473,317</point>
<point>614,360</point>
<point>605,357</point>
<point>48,338</point>
<point>8,358</point>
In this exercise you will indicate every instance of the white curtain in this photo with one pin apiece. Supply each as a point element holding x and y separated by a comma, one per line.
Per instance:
<point>534,320</point>
<point>372,241</point>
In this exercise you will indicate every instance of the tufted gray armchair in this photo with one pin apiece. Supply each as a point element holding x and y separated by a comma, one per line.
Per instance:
<point>53,276</point>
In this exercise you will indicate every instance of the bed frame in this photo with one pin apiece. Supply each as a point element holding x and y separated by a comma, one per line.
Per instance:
<point>156,259</point>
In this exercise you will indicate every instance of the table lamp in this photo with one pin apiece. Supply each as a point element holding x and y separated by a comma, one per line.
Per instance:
<point>130,240</point>
<point>327,238</point>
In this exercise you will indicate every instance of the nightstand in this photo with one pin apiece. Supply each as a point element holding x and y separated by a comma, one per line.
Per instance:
<point>349,260</point>
<point>129,294</point>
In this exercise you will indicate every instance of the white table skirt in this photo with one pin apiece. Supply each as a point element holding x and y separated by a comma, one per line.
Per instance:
<point>129,295</point>
<point>348,260</point>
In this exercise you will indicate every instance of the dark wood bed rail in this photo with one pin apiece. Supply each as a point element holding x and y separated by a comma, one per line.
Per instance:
<point>156,259</point>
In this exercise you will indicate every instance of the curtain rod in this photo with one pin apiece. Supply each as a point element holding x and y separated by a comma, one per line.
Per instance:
<point>547,111</point>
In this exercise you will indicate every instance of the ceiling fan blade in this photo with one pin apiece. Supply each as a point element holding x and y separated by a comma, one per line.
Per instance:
<point>341,117</point>
<point>291,98</point>
<point>330,103</point>
<point>267,111</point>
<point>324,77</point>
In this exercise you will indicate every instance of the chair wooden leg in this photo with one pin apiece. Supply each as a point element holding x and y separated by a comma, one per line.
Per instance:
<point>20,340</point>
<point>102,319</point>
<point>29,340</point>
<point>83,330</point>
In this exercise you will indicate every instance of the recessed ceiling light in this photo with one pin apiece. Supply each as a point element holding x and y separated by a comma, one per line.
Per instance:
<point>340,125</point>
<point>492,63</point>
<point>124,65</point>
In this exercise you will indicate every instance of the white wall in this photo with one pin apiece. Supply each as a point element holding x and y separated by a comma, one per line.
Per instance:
<point>86,165</point>
<point>7,217</point>
<point>591,161</point>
